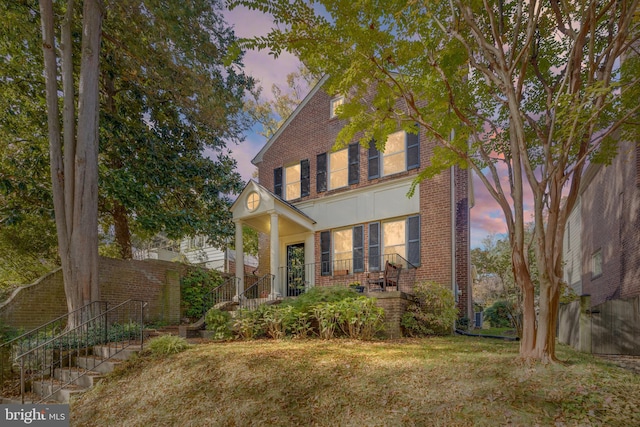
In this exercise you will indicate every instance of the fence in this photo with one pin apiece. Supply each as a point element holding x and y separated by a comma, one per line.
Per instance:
<point>612,327</point>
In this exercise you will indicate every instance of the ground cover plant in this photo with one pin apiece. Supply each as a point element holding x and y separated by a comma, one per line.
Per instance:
<point>447,381</point>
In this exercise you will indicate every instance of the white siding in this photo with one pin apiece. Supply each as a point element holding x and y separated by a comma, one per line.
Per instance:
<point>572,251</point>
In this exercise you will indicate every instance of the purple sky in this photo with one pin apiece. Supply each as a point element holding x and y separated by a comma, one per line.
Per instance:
<point>486,216</point>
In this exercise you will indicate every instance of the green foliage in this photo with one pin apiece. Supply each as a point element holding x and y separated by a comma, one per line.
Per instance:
<point>463,323</point>
<point>247,324</point>
<point>499,314</point>
<point>360,318</point>
<point>219,322</point>
<point>432,313</point>
<point>320,294</point>
<point>195,288</point>
<point>167,345</point>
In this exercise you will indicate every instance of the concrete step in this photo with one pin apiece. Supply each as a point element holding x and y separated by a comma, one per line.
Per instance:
<point>116,351</point>
<point>77,376</point>
<point>97,364</point>
<point>50,387</point>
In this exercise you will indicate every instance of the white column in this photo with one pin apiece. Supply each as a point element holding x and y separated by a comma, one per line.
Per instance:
<point>239,260</point>
<point>309,258</point>
<point>275,256</point>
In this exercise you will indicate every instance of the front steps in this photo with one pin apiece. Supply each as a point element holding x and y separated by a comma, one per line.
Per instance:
<point>84,374</point>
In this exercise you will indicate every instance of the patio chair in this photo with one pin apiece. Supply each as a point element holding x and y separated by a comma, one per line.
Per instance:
<point>390,277</point>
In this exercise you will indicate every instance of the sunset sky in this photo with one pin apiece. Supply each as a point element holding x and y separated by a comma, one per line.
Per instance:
<point>486,216</point>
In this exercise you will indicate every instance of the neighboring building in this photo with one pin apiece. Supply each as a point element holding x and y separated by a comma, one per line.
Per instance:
<point>605,230</point>
<point>337,217</point>
<point>196,251</point>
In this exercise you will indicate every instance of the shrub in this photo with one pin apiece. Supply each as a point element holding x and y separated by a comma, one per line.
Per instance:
<point>247,324</point>
<point>319,294</point>
<point>167,344</point>
<point>219,322</point>
<point>360,318</point>
<point>499,314</point>
<point>195,288</point>
<point>463,323</point>
<point>432,313</point>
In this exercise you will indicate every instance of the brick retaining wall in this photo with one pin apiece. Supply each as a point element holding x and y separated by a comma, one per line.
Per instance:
<point>153,281</point>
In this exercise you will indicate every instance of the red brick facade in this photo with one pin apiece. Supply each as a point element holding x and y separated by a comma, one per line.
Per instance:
<point>611,227</point>
<point>311,132</point>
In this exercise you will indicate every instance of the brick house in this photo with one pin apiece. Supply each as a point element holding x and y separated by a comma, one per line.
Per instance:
<point>602,238</point>
<point>343,217</point>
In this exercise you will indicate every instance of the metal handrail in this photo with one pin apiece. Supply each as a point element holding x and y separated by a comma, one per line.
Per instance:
<point>258,293</point>
<point>42,332</point>
<point>117,328</point>
<point>222,293</point>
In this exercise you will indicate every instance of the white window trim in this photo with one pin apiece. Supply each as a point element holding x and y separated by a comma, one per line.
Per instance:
<point>339,100</point>
<point>346,168</point>
<point>286,183</point>
<point>384,154</point>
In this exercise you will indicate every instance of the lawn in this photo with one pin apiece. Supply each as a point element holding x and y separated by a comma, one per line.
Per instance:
<point>453,381</point>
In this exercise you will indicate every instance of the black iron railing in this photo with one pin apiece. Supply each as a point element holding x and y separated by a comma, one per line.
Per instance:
<point>258,293</point>
<point>223,293</point>
<point>358,273</point>
<point>49,357</point>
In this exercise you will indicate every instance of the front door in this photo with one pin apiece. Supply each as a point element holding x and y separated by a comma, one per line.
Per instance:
<point>295,270</point>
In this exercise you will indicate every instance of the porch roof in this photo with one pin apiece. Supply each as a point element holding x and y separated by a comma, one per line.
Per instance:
<point>254,207</point>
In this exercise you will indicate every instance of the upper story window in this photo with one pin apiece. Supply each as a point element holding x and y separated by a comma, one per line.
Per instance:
<point>394,155</point>
<point>401,153</point>
<point>292,182</point>
<point>335,103</point>
<point>343,168</point>
<point>338,169</point>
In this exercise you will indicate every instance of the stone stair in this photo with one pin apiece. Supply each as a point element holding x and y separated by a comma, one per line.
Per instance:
<point>81,376</point>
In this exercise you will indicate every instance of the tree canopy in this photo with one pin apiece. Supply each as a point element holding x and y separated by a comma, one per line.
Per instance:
<point>525,93</point>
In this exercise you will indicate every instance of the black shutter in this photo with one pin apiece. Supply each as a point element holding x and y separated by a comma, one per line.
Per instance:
<point>358,248</point>
<point>321,173</point>
<point>354,163</point>
<point>325,253</point>
<point>413,150</point>
<point>374,161</point>
<point>374,246</point>
<point>413,240</point>
<point>277,182</point>
<point>305,178</point>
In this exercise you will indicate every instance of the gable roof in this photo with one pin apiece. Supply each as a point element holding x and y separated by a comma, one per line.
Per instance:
<point>258,158</point>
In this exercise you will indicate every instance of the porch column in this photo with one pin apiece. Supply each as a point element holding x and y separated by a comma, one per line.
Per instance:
<point>275,256</point>
<point>239,261</point>
<point>309,259</point>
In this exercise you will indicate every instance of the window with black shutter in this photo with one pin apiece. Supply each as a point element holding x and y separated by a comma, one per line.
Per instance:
<point>413,240</point>
<point>374,161</point>
<point>277,182</point>
<point>305,178</point>
<point>321,173</point>
<point>374,246</point>
<point>354,164</point>
<point>358,248</point>
<point>325,253</point>
<point>413,150</point>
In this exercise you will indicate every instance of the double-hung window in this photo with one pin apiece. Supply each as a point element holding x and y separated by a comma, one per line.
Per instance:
<point>335,103</point>
<point>342,250</point>
<point>390,239</point>
<point>401,153</point>
<point>292,182</point>
<point>338,169</point>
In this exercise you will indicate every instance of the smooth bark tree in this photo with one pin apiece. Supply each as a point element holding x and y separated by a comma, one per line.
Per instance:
<point>74,154</point>
<point>525,93</point>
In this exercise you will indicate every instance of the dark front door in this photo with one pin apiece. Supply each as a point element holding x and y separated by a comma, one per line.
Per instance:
<point>295,270</point>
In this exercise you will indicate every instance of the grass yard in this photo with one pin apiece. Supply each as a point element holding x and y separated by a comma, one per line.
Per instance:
<point>453,381</point>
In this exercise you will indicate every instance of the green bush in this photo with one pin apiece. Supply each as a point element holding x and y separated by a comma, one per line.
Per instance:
<point>360,318</point>
<point>247,324</point>
<point>196,286</point>
<point>463,323</point>
<point>166,345</point>
<point>499,314</point>
<point>432,313</point>
<point>219,322</point>
<point>319,294</point>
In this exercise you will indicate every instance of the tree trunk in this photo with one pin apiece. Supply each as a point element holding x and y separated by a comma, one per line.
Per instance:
<point>123,234</point>
<point>74,170</point>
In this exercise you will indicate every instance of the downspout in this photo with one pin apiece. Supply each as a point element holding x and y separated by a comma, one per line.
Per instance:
<point>454,287</point>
